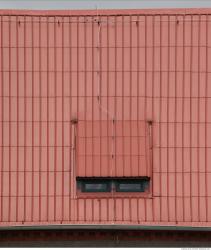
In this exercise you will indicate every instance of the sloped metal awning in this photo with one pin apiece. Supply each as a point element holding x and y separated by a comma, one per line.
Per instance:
<point>107,148</point>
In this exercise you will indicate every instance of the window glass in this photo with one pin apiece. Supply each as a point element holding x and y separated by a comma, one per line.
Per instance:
<point>96,187</point>
<point>98,184</point>
<point>130,187</point>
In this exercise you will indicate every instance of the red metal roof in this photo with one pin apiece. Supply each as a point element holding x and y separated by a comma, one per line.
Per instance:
<point>140,80</point>
<point>113,148</point>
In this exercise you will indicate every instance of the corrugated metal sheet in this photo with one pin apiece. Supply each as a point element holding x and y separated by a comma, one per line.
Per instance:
<point>113,148</point>
<point>123,68</point>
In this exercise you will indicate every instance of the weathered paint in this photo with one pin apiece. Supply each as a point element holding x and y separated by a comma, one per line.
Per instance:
<point>115,76</point>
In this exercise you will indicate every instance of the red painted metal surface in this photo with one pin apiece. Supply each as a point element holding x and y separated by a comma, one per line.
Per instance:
<point>136,83</point>
<point>113,148</point>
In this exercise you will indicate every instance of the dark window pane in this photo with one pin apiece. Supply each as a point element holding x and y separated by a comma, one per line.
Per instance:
<point>130,187</point>
<point>86,184</point>
<point>95,186</point>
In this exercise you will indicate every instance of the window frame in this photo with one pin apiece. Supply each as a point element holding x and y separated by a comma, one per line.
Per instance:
<point>112,185</point>
<point>81,182</point>
<point>118,189</point>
